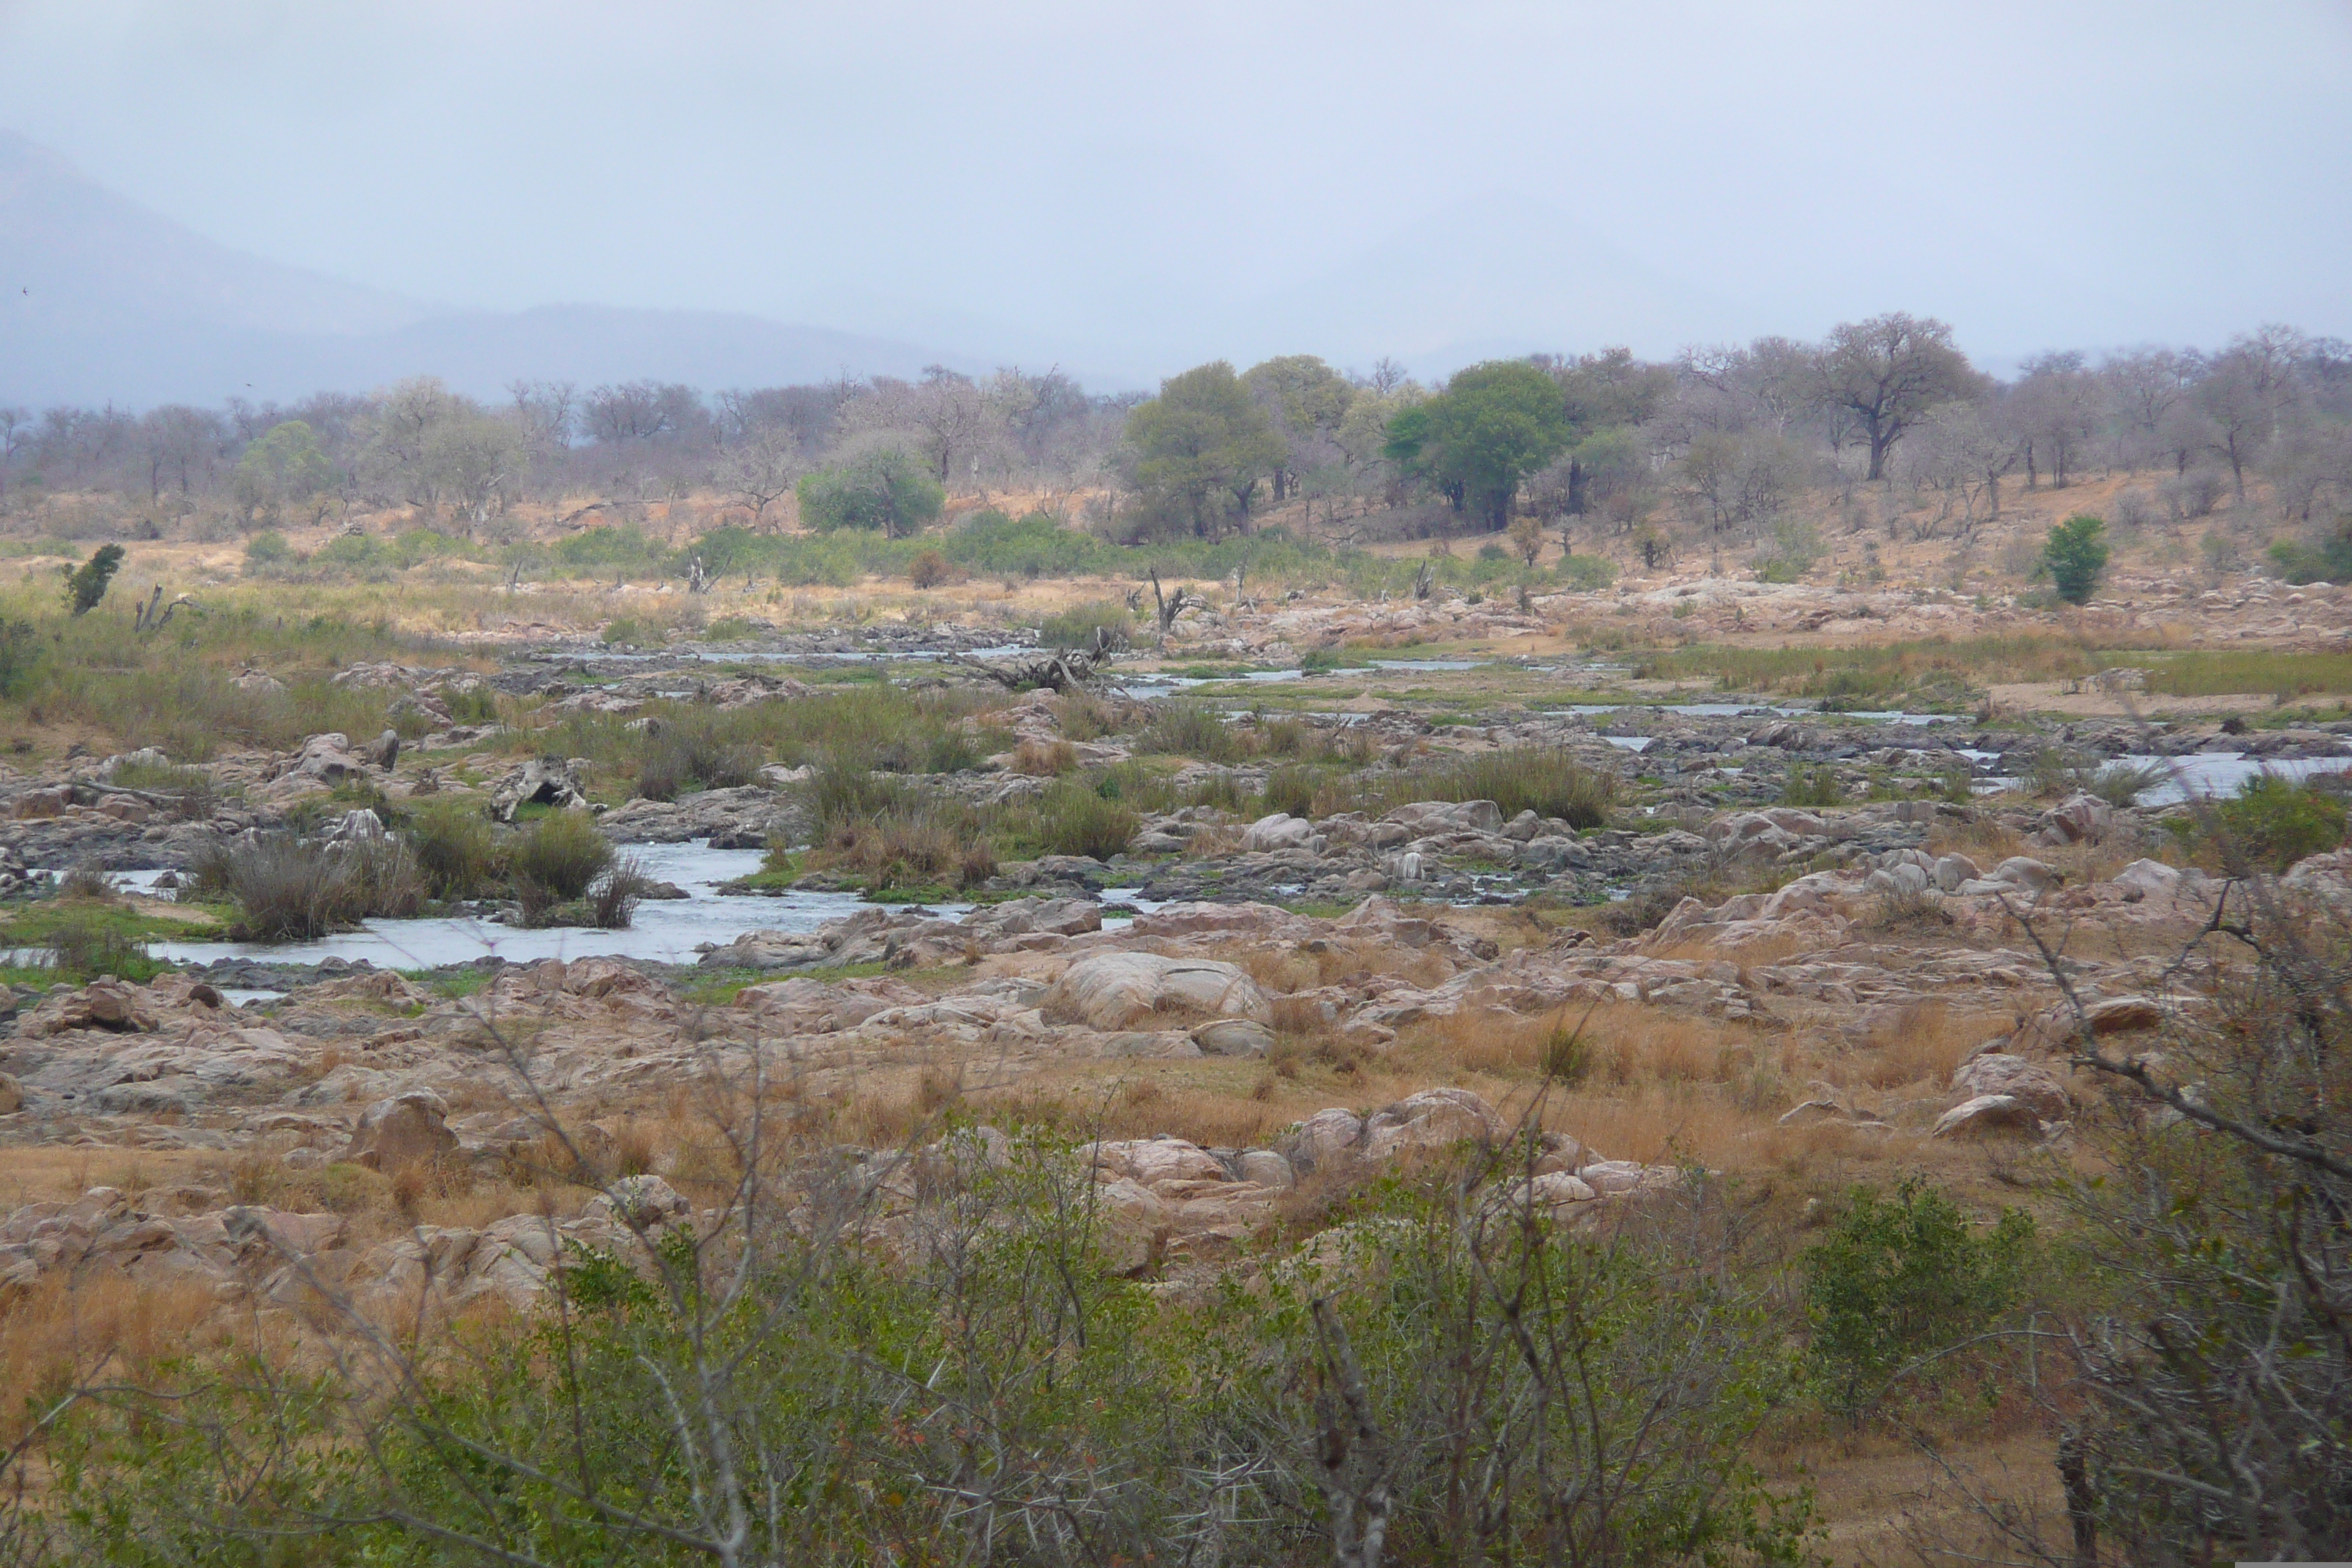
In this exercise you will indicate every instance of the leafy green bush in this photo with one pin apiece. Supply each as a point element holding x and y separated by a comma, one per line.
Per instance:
<point>20,655</point>
<point>559,854</point>
<point>2327,561</point>
<point>998,1392</point>
<point>267,548</point>
<point>1900,1277</point>
<point>2273,822</point>
<point>621,546</point>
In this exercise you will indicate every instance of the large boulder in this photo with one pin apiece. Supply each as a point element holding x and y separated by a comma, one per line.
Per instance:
<point>1234,1037</point>
<point>1986,1116</point>
<point>1279,831</point>
<point>541,781</point>
<point>328,758</point>
<point>400,1131</point>
<point>2028,1083</point>
<point>1434,1119</point>
<point>110,1005</point>
<point>1322,1137</point>
<point>1429,816</point>
<point>2077,819</point>
<point>1114,990</point>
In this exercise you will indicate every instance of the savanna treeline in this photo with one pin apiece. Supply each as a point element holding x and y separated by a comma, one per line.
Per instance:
<point>1714,445</point>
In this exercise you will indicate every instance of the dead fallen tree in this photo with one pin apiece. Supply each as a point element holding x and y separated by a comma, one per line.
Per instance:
<point>1054,670</point>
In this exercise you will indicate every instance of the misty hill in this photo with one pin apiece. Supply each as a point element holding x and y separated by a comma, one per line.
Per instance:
<point>1459,286</point>
<point>102,300</point>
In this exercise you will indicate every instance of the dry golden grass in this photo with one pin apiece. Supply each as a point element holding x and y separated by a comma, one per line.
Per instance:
<point>1045,759</point>
<point>98,1324</point>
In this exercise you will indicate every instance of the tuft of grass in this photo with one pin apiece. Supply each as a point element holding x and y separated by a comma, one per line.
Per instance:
<point>1073,819</point>
<point>1812,786</point>
<point>1545,780</point>
<point>557,856</point>
<point>288,888</point>
<point>455,849</point>
<point>694,755</point>
<point>1079,625</point>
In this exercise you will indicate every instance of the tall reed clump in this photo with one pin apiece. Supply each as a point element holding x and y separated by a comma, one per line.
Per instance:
<point>895,833</point>
<point>293,890</point>
<point>556,858</point>
<point>1075,819</point>
<point>455,850</point>
<point>683,756</point>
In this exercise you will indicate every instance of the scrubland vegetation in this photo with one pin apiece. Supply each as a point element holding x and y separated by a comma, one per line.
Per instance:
<point>897,1312</point>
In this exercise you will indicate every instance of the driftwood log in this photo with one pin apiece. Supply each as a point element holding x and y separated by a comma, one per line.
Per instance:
<point>1059,669</point>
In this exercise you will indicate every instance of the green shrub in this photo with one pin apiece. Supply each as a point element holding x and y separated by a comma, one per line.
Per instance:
<point>559,855</point>
<point>2327,561</point>
<point>20,655</point>
<point>885,489</point>
<point>2273,822</point>
<point>1900,1277</point>
<point>267,548</point>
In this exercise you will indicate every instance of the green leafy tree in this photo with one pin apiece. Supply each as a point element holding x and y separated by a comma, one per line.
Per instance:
<point>1202,446</point>
<point>1901,1276</point>
<point>885,489</point>
<point>1493,425</point>
<point>1307,401</point>
<point>86,584</point>
<point>2074,554</point>
<point>283,468</point>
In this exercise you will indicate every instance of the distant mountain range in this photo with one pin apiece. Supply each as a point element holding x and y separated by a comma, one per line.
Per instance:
<point>102,300</point>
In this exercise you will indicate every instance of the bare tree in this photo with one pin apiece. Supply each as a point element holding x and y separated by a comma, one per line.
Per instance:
<point>1888,373</point>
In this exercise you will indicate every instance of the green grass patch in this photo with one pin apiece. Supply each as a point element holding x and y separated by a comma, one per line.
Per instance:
<point>38,923</point>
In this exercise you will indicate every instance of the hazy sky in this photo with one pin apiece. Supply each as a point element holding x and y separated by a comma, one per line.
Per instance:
<point>1121,186</point>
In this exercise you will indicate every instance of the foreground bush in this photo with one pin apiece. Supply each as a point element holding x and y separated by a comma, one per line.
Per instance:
<point>1457,1382</point>
<point>2273,822</point>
